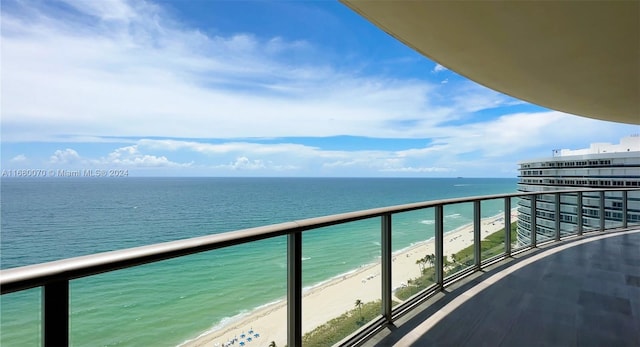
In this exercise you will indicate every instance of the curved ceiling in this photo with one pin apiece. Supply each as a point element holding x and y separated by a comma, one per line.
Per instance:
<point>579,57</point>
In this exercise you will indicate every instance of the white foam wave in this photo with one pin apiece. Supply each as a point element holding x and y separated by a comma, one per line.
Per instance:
<point>411,245</point>
<point>272,303</point>
<point>340,276</point>
<point>427,221</point>
<point>226,321</point>
<point>223,323</point>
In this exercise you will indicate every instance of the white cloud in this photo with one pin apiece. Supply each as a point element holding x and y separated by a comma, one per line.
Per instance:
<point>493,149</point>
<point>130,156</point>
<point>149,161</point>
<point>493,146</point>
<point>20,158</point>
<point>137,72</point>
<point>246,164</point>
<point>243,163</point>
<point>224,148</point>
<point>470,97</point>
<point>67,156</point>
<point>439,68</point>
<point>419,169</point>
<point>518,137</point>
<point>104,9</point>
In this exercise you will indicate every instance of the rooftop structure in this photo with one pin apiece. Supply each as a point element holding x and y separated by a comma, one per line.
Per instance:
<point>599,166</point>
<point>602,165</point>
<point>627,144</point>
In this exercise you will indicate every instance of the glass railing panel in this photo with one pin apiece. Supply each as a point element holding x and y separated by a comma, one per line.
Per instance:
<point>590,212</point>
<point>341,277</point>
<point>633,208</point>
<point>20,318</point>
<point>492,225</point>
<point>545,218</point>
<point>414,253</point>
<point>458,238</point>
<point>523,223</point>
<point>513,228</point>
<point>568,214</point>
<point>232,294</point>
<point>613,209</point>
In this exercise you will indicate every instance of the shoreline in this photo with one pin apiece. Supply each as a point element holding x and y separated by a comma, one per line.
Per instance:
<point>329,299</point>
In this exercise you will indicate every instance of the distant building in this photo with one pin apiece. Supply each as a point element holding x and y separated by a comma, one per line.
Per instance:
<point>602,165</point>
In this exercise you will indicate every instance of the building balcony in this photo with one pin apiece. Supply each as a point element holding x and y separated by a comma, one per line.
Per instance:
<point>580,286</point>
<point>584,291</point>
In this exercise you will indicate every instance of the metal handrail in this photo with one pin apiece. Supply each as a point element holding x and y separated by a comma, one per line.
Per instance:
<point>55,276</point>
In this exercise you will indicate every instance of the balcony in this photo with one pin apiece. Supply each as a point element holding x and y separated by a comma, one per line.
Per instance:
<point>551,292</point>
<point>579,292</point>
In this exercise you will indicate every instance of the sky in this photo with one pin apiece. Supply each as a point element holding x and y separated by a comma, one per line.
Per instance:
<point>261,88</point>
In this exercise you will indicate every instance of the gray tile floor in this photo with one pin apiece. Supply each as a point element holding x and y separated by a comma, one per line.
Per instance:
<point>585,295</point>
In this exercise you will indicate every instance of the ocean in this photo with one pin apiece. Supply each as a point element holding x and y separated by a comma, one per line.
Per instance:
<point>167,303</point>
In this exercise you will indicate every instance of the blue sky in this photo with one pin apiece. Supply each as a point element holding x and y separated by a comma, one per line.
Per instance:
<point>264,88</point>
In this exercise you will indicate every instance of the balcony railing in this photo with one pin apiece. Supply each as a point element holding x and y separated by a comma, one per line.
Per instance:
<point>54,277</point>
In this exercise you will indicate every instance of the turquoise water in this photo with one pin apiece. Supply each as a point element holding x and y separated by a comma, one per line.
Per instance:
<point>166,303</point>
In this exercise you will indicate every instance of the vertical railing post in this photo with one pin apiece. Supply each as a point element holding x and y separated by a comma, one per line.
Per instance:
<point>476,234</point>
<point>624,209</point>
<point>558,215</point>
<point>439,233</point>
<point>294,289</point>
<point>55,313</point>
<point>507,226</point>
<point>534,220</point>
<point>386,263</point>
<point>579,213</point>
<point>601,210</point>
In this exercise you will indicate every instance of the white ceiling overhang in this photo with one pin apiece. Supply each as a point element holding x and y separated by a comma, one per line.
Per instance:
<point>579,57</point>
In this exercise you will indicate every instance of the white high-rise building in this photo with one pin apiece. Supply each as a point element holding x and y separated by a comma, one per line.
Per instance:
<point>602,165</point>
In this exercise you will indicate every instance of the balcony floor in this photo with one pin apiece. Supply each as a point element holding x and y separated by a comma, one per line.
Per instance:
<point>579,292</point>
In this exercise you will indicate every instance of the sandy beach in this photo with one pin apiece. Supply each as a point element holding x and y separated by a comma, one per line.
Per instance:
<point>333,298</point>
